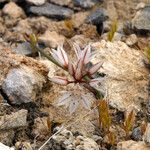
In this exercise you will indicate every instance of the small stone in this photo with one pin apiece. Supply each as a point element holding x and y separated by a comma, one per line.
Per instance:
<point>131,145</point>
<point>97,138</point>
<point>61,2</point>
<point>51,10</point>
<point>140,6</point>
<point>13,10</point>
<point>141,21</point>
<point>4,147</point>
<point>131,40</point>
<point>136,134</point>
<point>14,120</point>
<point>1,1</point>
<point>97,17</point>
<point>24,49</point>
<point>41,128</point>
<point>36,2</point>
<point>85,3</point>
<point>146,136</point>
<point>22,85</point>
<point>1,99</point>
<point>52,39</point>
<point>90,144</point>
<point>117,36</point>
<point>23,146</point>
<point>7,136</point>
<point>126,75</point>
<point>77,142</point>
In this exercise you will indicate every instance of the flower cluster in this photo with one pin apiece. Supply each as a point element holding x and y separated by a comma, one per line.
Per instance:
<point>80,73</point>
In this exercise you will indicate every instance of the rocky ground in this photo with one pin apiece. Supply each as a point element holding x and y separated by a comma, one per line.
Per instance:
<point>28,114</point>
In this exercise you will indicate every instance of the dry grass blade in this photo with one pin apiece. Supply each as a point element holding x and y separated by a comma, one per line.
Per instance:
<point>147,51</point>
<point>49,124</point>
<point>104,117</point>
<point>143,127</point>
<point>111,138</point>
<point>111,33</point>
<point>129,122</point>
<point>69,24</point>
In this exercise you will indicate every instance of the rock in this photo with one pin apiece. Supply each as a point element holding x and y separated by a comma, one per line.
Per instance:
<point>79,18</point>
<point>112,10</point>
<point>14,120</point>
<point>41,129</point>
<point>117,36</point>
<point>87,144</point>
<point>4,147</point>
<point>81,40</point>
<point>68,141</point>
<point>22,85</point>
<point>13,10</point>
<point>146,136</point>
<point>51,10</point>
<point>1,1</point>
<point>137,134</point>
<point>1,98</point>
<point>61,2</point>
<point>7,137</point>
<point>126,83</point>
<point>24,49</point>
<point>36,2</point>
<point>24,145</point>
<point>140,5</point>
<point>52,39</point>
<point>23,27</point>
<point>141,21</point>
<point>97,17</point>
<point>131,40</point>
<point>131,145</point>
<point>86,3</point>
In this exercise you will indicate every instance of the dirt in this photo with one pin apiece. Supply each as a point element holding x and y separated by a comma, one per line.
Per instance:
<point>45,107</point>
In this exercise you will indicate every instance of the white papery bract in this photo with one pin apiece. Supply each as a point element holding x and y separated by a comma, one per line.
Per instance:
<point>75,97</point>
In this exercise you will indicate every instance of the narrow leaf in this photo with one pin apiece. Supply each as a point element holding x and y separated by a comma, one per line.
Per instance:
<point>95,68</point>
<point>59,80</point>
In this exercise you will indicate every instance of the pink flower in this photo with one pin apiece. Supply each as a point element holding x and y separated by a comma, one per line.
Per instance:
<point>73,98</point>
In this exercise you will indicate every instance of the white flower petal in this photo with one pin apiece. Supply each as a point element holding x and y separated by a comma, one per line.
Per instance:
<point>86,54</point>
<point>60,55</point>
<point>64,54</point>
<point>77,50</point>
<point>55,56</point>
